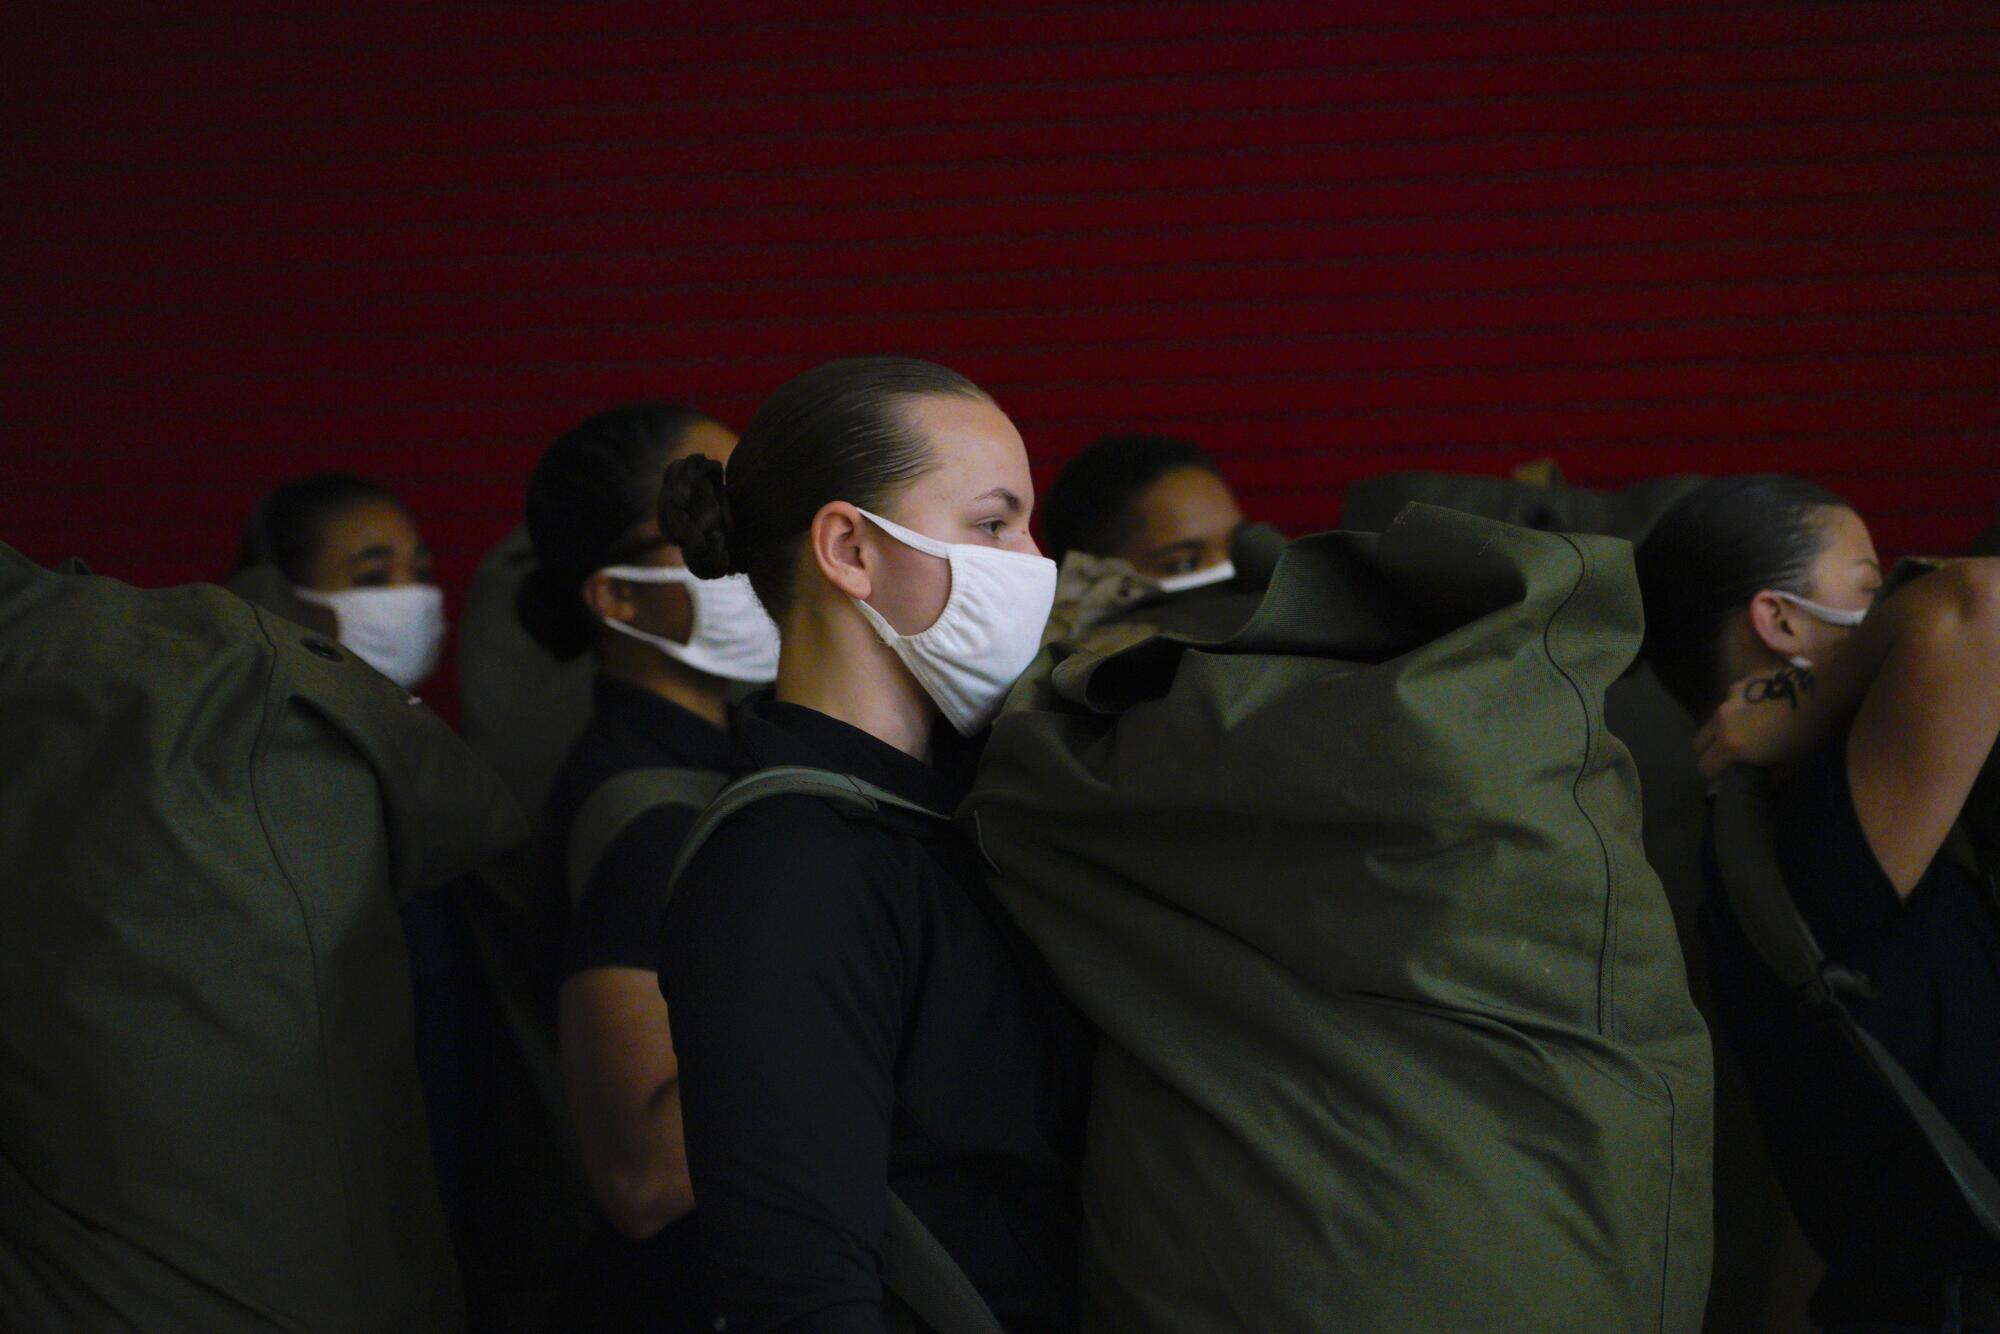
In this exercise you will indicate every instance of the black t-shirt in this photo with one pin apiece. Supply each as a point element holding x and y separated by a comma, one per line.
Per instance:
<point>853,1008</point>
<point>619,1284</point>
<point>616,924</point>
<point>1863,1182</point>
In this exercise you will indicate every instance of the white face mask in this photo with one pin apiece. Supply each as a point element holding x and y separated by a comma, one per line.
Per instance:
<point>1831,615</point>
<point>397,631</point>
<point>732,636</point>
<point>1182,583</point>
<point>1845,618</point>
<point>987,634</point>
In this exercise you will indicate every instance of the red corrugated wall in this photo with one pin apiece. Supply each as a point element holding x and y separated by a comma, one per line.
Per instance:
<point>244,241</point>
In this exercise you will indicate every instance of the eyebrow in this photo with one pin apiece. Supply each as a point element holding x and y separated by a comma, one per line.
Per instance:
<point>1003,495</point>
<point>367,554</point>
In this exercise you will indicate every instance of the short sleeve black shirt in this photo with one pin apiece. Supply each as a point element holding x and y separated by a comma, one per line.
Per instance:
<point>616,924</point>
<point>854,1010</point>
<point>1866,1188</point>
<point>619,1286</point>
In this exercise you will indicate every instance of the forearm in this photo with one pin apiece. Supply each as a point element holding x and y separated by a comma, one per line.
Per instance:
<point>637,1163</point>
<point>624,1092</point>
<point>1951,601</point>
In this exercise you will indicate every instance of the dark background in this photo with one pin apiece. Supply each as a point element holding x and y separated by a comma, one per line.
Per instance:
<point>246,241</point>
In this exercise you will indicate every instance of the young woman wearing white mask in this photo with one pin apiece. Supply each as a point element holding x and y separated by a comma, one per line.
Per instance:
<point>854,1011</point>
<point>350,547</point>
<point>359,570</point>
<point>670,650</point>
<point>1156,503</point>
<point>1759,596</point>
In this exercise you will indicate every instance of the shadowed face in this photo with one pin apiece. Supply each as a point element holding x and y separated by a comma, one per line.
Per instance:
<point>370,544</point>
<point>1846,577</point>
<point>1184,523</point>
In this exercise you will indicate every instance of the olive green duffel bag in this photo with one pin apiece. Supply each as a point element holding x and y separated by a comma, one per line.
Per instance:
<point>1535,497</point>
<point>210,1118</point>
<point>1396,1034</point>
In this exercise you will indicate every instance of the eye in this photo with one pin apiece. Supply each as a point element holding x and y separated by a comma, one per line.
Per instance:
<point>992,528</point>
<point>372,579</point>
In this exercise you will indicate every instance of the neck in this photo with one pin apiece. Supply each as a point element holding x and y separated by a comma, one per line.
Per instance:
<point>624,659</point>
<point>831,661</point>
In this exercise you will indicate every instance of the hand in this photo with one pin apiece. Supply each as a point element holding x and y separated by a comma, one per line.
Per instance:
<point>1760,722</point>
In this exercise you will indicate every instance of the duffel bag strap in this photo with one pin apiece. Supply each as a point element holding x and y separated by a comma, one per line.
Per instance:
<point>1746,853</point>
<point>789,780</point>
<point>618,801</point>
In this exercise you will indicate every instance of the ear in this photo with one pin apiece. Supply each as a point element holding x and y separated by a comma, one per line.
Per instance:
<point>839,546</point>
<point>607,598</point>
<point>1775,623</point>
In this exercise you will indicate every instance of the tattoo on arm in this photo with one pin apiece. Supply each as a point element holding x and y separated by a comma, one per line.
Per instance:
<point>1789,685</point>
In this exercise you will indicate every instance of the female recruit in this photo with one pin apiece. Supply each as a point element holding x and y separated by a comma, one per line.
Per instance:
<point>854,1012</point>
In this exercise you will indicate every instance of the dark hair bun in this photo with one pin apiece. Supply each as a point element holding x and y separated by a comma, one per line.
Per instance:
<point>694,515</point>
<point>553,615</point>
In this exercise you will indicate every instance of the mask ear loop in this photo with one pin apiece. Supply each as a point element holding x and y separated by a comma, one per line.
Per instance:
<point>624,553</point>
<point>659,576</point>
<point>929,546</point>
<point>1843,617</point>
<point>1837,616</point>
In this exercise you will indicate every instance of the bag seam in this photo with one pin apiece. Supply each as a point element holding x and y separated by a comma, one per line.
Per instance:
<point>1593,743</point>
<point>274,711</point>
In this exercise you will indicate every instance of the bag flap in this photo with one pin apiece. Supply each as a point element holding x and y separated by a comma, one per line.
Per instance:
<point>1356,597</point>
<point>447,812</point>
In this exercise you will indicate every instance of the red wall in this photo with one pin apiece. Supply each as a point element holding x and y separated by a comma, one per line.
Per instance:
<point>244,241</point>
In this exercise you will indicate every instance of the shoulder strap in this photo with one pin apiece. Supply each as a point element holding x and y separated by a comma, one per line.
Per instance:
<point>620,800</point>
<point>788,780</point>
<point>1747,856</point>
<point>917,1268</point>
<point>915,1264</point>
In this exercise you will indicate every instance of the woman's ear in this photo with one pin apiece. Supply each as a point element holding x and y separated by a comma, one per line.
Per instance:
<point>608,598</point>
<point>839,549</point>
<point>1775,623</point>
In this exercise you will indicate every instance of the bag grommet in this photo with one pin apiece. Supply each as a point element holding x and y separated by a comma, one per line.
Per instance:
<point>319,648</point>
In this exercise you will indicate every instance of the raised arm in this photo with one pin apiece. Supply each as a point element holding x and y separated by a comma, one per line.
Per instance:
<point>1927,723</point>
<point>1920,681</point>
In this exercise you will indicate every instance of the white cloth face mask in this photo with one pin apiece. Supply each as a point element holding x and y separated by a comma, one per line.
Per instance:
<point>1848,618</point>
<point>397,631</point>
<point>987,634</point>
<point>1193,579</point>
<point>733,637</point>
<point>1831,615</point>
